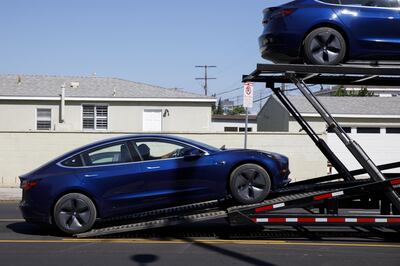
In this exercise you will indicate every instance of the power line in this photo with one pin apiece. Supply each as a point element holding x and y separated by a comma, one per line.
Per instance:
<point>225,92</point>
<point>206,78</point>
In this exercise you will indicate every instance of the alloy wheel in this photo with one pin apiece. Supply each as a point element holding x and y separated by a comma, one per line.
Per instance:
<point>74,214</point>
<point>250,184</point>
<point>326,47</point>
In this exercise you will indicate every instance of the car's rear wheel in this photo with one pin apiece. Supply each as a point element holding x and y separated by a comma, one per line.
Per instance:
<point>324,46</point>
<point>249,183</point>
<point>74,213</point>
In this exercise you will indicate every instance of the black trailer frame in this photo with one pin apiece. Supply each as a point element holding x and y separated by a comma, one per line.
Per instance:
<point>317,201</point>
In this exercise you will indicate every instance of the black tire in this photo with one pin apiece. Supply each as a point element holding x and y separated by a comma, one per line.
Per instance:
<point>74,213</point>
<point>324,46</point>
<point>249,183</point>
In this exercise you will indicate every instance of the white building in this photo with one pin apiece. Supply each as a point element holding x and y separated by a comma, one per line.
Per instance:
<point>30,103</point>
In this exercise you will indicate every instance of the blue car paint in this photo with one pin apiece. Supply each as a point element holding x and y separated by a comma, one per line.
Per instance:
<point>119,189</point>
<point>371,33</point>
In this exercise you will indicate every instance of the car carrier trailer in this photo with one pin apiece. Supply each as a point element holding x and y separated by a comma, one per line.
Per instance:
<point>317,201</point>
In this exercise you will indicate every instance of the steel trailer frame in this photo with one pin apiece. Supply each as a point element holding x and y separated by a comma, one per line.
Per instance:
<point>317,201</point>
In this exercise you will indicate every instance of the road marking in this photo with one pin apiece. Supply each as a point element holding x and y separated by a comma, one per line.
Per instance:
<point>200,241</point>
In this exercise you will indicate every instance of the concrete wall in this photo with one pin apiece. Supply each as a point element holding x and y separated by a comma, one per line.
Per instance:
<point>381,148</point>
<point>21,152</point>
<point>126,116</point>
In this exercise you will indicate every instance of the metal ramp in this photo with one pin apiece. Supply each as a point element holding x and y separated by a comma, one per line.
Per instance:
<point>318,201</point>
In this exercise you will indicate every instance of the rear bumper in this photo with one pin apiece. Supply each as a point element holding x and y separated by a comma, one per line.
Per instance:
<point>32,215</point>
<point>280,47</point>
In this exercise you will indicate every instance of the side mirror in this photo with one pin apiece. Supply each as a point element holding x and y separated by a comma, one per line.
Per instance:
<point>192,153</point>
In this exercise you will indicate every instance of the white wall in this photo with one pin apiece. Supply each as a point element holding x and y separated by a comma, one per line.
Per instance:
<point>24,151</point>
<point>381,148</point>
<point>220,126</point>
<point>127,116</point>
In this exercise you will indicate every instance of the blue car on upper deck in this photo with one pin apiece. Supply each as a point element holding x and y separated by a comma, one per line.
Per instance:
<point>329,32</point>
<point>144,172</point>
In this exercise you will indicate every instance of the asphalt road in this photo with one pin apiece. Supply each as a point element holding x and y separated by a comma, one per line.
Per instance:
<point>203,244</point>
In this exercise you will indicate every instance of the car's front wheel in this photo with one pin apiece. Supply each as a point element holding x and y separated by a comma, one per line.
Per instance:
<point>249,183</point>
<point>324,46</point>
<point>74,213</point>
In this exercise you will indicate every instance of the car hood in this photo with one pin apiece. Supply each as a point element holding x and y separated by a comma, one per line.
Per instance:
<point>250,151</point>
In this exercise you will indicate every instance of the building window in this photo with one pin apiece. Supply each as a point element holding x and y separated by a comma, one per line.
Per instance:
<point>393,130</point>
<point>95,117</point>
<point>346,129</point>
<point>242,129</point>
<point>230,129</point>
<point>368,130</point>
<point>43,119</point>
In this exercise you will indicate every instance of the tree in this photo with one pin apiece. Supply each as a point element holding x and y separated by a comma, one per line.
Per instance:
<point>219,110</point>
<point>237,110</point>
<point>341,92</point>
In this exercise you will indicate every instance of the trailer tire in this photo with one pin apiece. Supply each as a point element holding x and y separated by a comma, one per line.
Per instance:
<point>249,183</point>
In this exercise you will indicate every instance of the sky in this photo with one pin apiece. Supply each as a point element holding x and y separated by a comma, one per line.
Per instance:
<point>158,42</point>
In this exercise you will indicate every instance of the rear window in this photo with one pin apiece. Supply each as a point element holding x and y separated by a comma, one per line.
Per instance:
<point>75,161</point>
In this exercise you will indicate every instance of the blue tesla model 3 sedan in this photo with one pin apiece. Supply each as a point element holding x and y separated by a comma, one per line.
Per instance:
<point>329,32</point>
<point>144,172</point>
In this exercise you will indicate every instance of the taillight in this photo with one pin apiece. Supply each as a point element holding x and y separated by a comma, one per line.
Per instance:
<point>27,185</point>
<point>281,13</point>
<point>287,11</point>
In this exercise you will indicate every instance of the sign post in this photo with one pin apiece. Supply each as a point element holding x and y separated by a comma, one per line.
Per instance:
<point>248,91</point>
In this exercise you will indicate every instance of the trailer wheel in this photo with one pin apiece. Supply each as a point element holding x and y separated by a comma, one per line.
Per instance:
<point>249,183</point>
<point>74,213</point>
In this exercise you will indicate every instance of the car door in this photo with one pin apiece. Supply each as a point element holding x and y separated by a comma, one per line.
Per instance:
<point>114,176</point>
<point>173,179</point>
<point>374,25</point>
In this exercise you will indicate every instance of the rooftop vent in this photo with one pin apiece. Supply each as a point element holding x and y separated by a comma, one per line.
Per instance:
<point>74,84</point>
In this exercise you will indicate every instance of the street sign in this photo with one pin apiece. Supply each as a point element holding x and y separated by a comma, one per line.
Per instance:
<point>248,89</point>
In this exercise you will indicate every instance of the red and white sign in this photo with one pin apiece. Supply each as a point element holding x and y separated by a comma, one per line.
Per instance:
<point>248,90</point>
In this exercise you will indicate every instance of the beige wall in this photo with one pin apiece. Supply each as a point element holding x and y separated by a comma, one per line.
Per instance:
<point>24,151</point>
<point>127,116</point>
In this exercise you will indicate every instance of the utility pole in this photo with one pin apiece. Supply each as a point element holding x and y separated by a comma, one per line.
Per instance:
<point>206,78</point>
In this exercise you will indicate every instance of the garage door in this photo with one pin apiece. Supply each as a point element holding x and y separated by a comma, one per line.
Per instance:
<point>152,121</point>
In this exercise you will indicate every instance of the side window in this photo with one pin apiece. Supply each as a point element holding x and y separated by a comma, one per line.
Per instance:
<point>158,149</point>
<point>75,161</point>
<point>373,3</point>
<point>331,1</point>
<point>111,154</point>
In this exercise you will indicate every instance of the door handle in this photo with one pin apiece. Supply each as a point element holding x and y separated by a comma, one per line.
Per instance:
<point>94,175</point>
<point>152,167</point>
